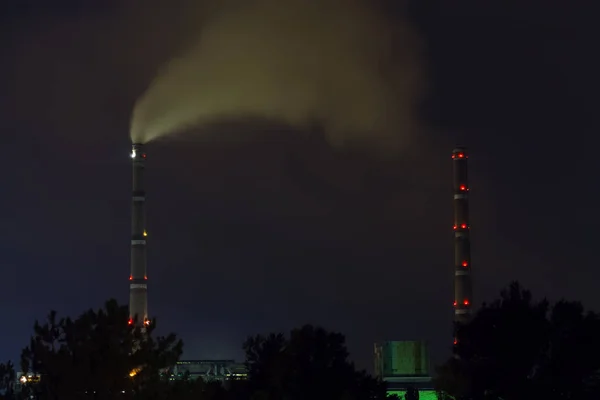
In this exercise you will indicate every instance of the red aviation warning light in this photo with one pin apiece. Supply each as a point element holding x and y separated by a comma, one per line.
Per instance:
<point>463,226</point>
<point>463,188</point>
<point>455,304</point>
<point>130,277</point>
<point>459,155</point>
<point>466,302</point>
<point>130,322</point>
<point>465,264</point>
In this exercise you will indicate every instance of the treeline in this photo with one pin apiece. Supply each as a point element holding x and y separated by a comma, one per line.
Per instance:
<point>519,348</point>
<point>514,348</point>
<point>99,355</point>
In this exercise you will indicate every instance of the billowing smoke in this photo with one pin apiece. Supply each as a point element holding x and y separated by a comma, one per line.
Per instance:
<point>344,64</point>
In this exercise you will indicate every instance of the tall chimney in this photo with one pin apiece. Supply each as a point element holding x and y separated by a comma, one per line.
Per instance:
<point>463,292</point>
<point>138,289</point>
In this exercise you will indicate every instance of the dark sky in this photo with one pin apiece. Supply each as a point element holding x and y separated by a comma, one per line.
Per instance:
<point>278,230</point>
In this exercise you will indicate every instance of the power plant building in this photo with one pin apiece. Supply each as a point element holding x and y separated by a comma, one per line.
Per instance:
<point>210,370</point>
<point>403,365</point>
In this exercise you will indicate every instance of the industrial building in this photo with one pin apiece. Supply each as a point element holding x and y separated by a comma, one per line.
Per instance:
<point>402,365</point>
<point>210,370</point>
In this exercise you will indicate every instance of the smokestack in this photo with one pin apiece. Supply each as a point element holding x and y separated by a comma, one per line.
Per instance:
<point>463,292</point>
<point>138,290</point>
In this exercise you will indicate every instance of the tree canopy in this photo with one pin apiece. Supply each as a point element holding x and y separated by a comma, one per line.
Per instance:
<point>7,379</point>
<point>311,364</point>
<point>97,353</point>
<point>518,348</point>
<point>100,355</point>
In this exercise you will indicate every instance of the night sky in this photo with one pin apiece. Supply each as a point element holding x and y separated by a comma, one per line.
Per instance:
<point>276,230</point>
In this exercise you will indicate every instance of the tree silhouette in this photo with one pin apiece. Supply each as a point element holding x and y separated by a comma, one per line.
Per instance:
<point>93,355</point>
<point>412,393</point>
<point>517,348</point>
<point>7,379</point>
<point>311,364</point>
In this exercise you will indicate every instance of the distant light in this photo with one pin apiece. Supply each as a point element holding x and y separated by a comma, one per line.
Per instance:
<point>130,277</point>
<point>454,227</point>
<point>23,379</point>
<point>147,322</point>
<point>145,233</point>
<point>130,321</point>
<point>143,155</point>
<point>133,153</point>
<point>455,342</point>
<point>466,302</point>
<point>465,264</point>
<point>453,156</point>
<point>464,226</point>
<point>461,155</point>
<point>145,277</point>
<point>463,187</point>
<point>455,304</point>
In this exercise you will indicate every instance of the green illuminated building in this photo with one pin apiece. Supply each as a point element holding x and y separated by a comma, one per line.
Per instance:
<point>404,364</point>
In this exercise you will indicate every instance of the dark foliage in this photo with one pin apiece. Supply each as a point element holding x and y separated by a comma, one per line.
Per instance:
<point>100,356</point>
<point>93,355</point>
<point>7,380</point>
<point>412,393</point>
<point>516,348</point>
<point>311,364</point>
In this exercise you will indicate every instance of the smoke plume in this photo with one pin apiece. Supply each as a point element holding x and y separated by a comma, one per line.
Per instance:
<point>344,64</point>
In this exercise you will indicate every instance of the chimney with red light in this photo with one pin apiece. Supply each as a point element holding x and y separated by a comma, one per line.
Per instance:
<point>463,292</point>
<point>138,289</point>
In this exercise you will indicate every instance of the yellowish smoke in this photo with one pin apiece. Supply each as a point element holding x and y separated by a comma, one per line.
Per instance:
<point>346,64</point>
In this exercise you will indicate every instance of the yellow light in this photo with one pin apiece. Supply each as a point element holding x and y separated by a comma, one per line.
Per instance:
<point>145,233</point>
<point>134,372</point>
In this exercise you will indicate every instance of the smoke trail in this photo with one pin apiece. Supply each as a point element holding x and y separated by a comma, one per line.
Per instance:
<point>341,63</point>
